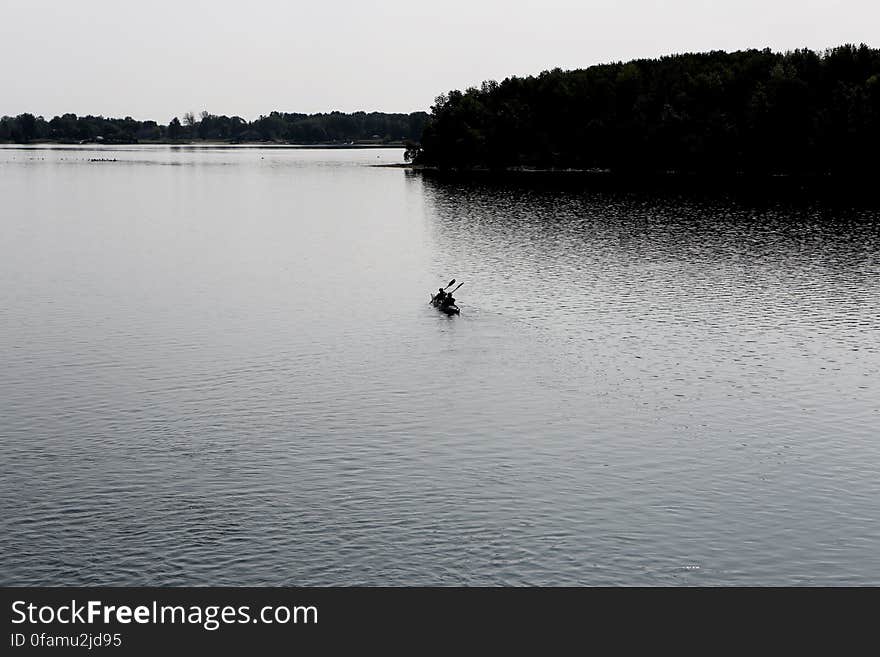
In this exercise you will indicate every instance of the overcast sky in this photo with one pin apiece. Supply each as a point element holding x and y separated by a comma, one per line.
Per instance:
<point>156,59</point>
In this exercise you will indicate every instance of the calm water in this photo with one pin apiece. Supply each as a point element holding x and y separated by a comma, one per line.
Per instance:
<point>219,366</point>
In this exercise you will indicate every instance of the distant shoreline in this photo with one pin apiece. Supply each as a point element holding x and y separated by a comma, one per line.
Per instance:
<point>206,142</point>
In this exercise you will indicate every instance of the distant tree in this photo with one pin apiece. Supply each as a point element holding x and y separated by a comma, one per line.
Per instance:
<point>272,127</point>
<point>335,127</point>
<point>174,129</point>
<point>63,127</point>
<point>189,125</point>
<point>148,130</point>
<point>237,126</point>
<point>27,125</point>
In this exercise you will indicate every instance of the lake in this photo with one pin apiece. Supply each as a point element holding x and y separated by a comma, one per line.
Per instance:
<point>220,367</point>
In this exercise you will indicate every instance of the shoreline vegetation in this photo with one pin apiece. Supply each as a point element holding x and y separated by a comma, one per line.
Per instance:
<point>328,130</point>
<point>211,143</point>
<point>740,114</point>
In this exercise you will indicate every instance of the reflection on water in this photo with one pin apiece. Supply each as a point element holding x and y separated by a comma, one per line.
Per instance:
<point>227,372</point>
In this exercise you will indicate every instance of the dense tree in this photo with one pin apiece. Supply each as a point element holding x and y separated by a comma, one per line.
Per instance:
<point>174,129</point>
<point>335,127</point>
<point>27,127</point>
<point>751,111</point>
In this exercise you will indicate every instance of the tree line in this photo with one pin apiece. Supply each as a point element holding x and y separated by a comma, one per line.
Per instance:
<point>333,127</point>
<point>752,111</point>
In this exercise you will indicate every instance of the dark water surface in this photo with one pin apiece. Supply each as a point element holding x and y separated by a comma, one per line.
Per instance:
<point>219,366</point>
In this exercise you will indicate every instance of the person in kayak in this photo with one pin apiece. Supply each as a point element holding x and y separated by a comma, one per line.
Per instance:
<point>441,295</point>
<point>448,300</point>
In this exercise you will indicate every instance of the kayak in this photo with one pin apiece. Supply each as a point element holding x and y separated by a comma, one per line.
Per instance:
<point>451,309</point>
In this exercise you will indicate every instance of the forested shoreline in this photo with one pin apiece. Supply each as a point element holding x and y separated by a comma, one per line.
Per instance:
<point>746,112</point>
<point>276,127</point>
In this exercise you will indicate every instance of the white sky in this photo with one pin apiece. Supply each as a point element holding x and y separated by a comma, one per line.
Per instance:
<point>156,59</point>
